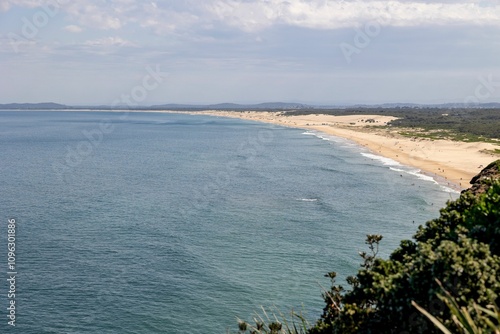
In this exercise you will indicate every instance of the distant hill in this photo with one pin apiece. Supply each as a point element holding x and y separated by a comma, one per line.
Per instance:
<point>171,106</point>
<point>259,106</point>
<point>234,106</point>
<point>299,106</point>
<point>25,106</point>
<point>457,105</point>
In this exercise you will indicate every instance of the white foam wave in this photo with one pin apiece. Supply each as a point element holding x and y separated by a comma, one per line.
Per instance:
<point>335,139</point>
<point>449,190</point>
<point>398,170</point>
<point>307,199</point>
<point>422,176</point>
<point>415,172</point>
<point>418,173</point>
<point>384,160</point>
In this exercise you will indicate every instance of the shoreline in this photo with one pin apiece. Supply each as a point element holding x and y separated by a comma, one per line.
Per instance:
<point>450,163</point>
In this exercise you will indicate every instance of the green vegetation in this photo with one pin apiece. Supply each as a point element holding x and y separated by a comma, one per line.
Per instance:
<point>495,151</point>
<point>466,124</point>
<point>463,317</point>
<point>276,323</point>
<point>447,135</point>
<point>461,249</point>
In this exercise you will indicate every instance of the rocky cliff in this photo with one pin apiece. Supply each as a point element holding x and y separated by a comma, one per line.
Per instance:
<point>481,182</point>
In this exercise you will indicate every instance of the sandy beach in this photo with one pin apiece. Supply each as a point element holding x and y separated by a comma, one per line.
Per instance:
<point>449,162</point>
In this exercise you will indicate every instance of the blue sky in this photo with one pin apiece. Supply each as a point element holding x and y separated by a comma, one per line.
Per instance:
<point>249,51</point>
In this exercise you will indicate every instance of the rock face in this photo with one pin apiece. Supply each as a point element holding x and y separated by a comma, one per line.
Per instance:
<point>481,182</point>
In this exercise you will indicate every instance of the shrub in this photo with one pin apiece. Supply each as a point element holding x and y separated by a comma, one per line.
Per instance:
<point>461,248</point>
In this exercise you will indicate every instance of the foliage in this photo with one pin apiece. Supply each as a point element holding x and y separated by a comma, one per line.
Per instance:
<point>492,152</point>
<point>464,124</point>
<point>467,320</point>
<point>276,323</point>
<point>334,298</point>
<point>461,248</point>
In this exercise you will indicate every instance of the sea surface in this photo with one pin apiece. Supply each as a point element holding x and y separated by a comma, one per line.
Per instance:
<point>170,223</point>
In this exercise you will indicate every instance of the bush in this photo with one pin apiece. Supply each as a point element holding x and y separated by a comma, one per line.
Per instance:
<point>461,249</point>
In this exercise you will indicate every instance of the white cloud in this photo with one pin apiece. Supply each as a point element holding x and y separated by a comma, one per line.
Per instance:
<point>109,41</point>
<point>165,20</point>
<point>171,16</point>
<point>323,14</point>
<point>92,15</point>
<point>4,6</point>
<point>247,16</point>
<point>73,28</point>
<point>23,3</point>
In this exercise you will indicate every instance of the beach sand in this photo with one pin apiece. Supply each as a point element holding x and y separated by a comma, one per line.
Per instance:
<point>450,162</point>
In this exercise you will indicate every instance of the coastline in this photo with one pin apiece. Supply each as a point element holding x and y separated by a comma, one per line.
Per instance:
<point>450,163</point>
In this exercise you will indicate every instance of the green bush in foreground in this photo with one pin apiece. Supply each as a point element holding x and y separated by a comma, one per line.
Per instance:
<point>461,249</point>
<point>463,318</point>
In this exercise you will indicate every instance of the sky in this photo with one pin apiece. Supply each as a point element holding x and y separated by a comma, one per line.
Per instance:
<point>322,52</point>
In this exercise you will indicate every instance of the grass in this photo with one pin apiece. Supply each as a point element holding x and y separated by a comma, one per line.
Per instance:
<point>275,322</point>
<point>494,151</point>
<point>466,319</point>
<point>447,135</point>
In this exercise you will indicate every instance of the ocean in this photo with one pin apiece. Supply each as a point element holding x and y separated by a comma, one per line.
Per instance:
<point>175,223</point>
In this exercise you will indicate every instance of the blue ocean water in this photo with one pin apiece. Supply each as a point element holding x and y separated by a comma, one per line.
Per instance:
<point>170,223</point>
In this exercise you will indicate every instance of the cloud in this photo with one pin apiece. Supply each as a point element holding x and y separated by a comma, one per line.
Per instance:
<point>92,15</point>
<point>166,20</point>
<point>4,6</point>
<point>247,16</point>
<point>73,28</point>
<point>258,15</point>
<point>110,41</point>
<point>191,16</point>
<point>22,3</point>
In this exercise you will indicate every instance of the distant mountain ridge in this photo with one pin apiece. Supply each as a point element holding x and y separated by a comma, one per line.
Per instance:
<point>437,105</point>
<point>171,106</point>
<point>24,106</point>
<point>236,106</point>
